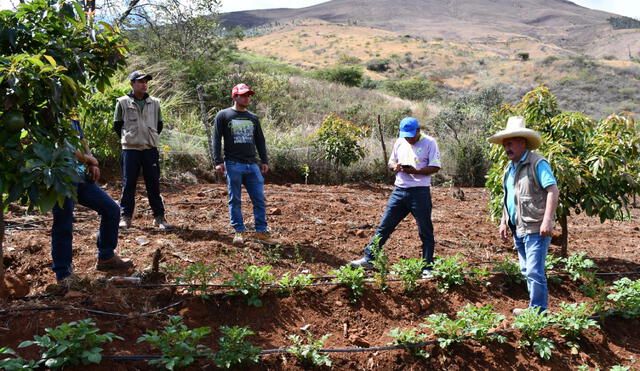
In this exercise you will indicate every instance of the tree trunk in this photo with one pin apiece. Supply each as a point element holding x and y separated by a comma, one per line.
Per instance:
<point>564,239</point>
<point>384,148</point>
<point>205,122</point>
<point>1,247</point>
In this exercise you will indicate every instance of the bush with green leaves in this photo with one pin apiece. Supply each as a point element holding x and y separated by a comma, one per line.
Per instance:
<point>408,337</point>
<point>577,265</point>
<point>625,297</point>
<point>378,65</point>
<point>199,275</point>
<point>412,89</point>
<point>73,343</point>
<point>449,271</point>
<point>531,323</point>
<point>511,271</point>
<point>549,265</point>
<point>478,322</point>
<point>307,350</point>
<point>479,275</point>
<point>338,140</point>
<point>346,75</point>
<point>352,278</point>
<point>447,330</point>
<point>380,263</point>
<point>286,284</point>
<point>409,270</point>
<point>251,282</point>
<point>572,319</point>
<point>178,343</point>
<point>16,363</point>
<point>234,350</point>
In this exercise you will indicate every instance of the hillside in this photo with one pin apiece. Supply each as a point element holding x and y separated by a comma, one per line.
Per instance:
<point>558,22</point>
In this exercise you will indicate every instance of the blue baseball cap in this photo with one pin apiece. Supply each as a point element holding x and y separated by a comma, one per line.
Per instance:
<point>408,127</point>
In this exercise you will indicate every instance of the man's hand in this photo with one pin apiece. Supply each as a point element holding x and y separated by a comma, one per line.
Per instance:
<point>504,232</point>
<point>220,169</point>
<point>90,160</point>
<point>264,168</point>
<point>546,228</point>
<point>94,171</point>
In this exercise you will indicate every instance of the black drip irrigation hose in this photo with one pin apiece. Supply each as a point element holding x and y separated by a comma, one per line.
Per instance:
<point>94,311</point>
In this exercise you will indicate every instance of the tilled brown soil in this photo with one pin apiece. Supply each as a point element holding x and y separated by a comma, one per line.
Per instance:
<point>319,229</point>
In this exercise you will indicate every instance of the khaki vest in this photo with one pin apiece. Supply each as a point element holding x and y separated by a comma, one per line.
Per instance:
<point>140,129</point>
<point>530,197</point>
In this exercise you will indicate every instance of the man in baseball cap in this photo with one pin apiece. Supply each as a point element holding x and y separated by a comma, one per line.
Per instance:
<point>243,140</point>
<point>415,158</point>
<point>529,205</point>
<point>140,75</point>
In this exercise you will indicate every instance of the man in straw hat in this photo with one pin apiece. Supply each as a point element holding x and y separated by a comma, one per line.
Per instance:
<point>530,201</point>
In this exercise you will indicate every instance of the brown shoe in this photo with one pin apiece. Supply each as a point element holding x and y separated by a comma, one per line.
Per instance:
<point>264,237</point>
<point>115,262</point>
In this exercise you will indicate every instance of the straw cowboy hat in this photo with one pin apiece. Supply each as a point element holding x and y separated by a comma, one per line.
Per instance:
<point>516,128</point>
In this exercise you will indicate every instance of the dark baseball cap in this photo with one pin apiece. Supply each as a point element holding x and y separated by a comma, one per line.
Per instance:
<point>140,75</point>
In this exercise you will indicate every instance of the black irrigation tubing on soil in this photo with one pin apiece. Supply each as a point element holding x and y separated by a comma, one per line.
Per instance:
<point>94,311</point>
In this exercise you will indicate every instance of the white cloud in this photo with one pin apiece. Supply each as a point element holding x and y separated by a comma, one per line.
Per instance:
<point>628,8</point>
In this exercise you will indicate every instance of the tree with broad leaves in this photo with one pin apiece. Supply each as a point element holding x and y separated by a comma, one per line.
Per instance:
<point>597,164</point>
<point>54,56</point>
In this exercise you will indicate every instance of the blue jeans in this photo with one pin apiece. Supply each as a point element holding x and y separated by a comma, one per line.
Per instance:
<point>132,161</point>
<point>532,253</point>
<point>93,197</point>
<point>417,201</point>
<point>239,174</point>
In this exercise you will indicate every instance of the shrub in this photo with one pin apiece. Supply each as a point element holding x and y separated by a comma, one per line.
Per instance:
<point>479,321</point>
<point>346,75</point>
<point>577,265</point>
<point>378,65</point>
<point>352,278</point>
<point>412,89</point>
<point>286,285</point>
<point>338,140</point>
<point>621,23</point>
<point>447,330</point>
<point>407,337</point>
<point>250,283</point>
<point>523,55</point>
<point>16,363</point>
<point>348,59</point>
<point>572,320</point>
<point>72,343</point>
<point>307,352</point>
<point>234,351</point>
<point>409,270</point>
<point>198,274</point>
<point>178,344</point>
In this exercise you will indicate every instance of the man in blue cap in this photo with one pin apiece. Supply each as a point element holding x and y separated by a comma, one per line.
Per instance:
<point>415,158</point>
<point>138,123</point>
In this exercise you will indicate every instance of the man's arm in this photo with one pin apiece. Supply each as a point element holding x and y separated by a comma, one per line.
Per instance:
<point>549,210</point>
<point>118,120</point>
<point>504,226</point>
<point>261,144</point>
<point>218,125</point>
<point>160,123</point>
<point>84,156</point>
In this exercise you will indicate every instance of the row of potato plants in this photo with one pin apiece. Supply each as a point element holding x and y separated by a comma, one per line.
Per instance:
<point>80,343</point>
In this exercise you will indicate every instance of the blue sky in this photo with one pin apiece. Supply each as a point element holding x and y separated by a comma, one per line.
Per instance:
<point>629,8</point>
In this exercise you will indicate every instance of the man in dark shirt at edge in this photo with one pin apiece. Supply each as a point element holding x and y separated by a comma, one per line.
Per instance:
<point>138,123</point>
<point>242,135</point>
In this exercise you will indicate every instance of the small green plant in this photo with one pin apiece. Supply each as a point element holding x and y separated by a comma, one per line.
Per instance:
<point>307,352</point>
<point>531,323</point>
<point>353,278</point>
<point>409,271</point>
<point>596,289</point>
<point>409,336</point>
<point>511,270</point>
<point>625,297</point>
<point>380,263</point>
<point>72,343</point>
<point>549,264</point>
<point>479,275</point>
<point>199,275</point>
<point>286,285</point>
<point>447,330</point>
<point>306,171</point>
<point>620,368</point>
<point>178,343</point>
<point>577,265</point>
<point>572,320</point>
<point>234,350</point>
<point>250,283</point>
<point>479,321</point>
<point>449,271</point>
<point>16,363</point>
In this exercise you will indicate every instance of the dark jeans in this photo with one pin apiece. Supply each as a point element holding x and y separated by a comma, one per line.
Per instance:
<point>149,161</point>
<point>93,197</point>
<point>417,201</point>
